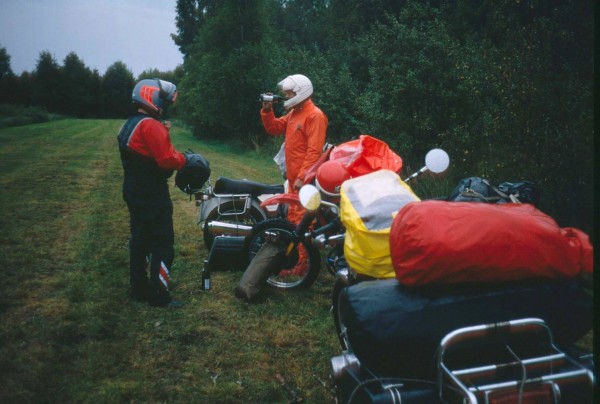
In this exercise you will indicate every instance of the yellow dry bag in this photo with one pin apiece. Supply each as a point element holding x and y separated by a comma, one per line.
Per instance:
<point>368,205</point>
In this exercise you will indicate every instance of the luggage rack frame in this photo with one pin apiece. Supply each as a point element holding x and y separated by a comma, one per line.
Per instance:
<point>538,374</point>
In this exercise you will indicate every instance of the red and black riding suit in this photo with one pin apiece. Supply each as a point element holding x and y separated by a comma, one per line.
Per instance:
<point>148,159</point>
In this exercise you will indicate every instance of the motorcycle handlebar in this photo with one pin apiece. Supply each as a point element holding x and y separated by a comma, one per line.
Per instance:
<point>336,223</point>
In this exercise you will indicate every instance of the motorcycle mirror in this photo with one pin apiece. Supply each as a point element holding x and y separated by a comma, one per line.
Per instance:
<point>437,160</point>
<point>310,197</point>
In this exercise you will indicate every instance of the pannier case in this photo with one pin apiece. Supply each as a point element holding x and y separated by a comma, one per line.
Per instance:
<point>515,361</point>
<point>226,253</point>
<point>395,330</point>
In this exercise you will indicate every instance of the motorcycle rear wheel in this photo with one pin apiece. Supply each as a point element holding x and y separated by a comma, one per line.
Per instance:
<point>230,212</point>
<point>284,230</point>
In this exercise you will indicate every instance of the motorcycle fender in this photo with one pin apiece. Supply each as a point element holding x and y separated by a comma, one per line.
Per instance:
<point>205,208</point>
<point>213,203</point>
<point>289,199</point>
<point>208,206</point>
<point>255,204</point>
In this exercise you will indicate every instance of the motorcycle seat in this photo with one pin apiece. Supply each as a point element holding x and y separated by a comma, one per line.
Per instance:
<point>225,185</point>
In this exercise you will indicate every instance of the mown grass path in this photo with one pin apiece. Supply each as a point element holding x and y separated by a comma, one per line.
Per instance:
<point>68,331</point>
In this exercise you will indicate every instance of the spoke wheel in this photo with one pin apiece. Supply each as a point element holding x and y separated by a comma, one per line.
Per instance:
<point>303,263</point>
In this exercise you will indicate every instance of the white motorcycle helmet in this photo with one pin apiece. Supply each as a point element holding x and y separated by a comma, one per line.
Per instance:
<point>300,85</point>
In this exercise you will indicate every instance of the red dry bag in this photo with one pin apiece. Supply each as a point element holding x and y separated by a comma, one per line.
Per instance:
<point>450,242</point>
<point>365,155</point>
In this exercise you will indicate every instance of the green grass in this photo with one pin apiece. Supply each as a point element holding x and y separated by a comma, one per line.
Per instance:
<point>68,332</point>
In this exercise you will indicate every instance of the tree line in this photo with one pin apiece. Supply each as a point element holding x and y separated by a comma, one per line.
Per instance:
<point>505,86</point>
<point>72,88</point>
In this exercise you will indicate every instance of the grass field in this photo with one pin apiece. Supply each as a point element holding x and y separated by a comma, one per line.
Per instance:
<point>68,332</point>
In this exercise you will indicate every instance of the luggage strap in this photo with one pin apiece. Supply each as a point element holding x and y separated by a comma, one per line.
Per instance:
<point>474,194</point>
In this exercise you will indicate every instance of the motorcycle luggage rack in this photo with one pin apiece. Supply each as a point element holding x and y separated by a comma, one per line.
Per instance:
<point>522,365</point>
<point>244,198</point>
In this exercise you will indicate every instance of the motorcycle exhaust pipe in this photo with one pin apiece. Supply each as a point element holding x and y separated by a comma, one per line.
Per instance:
<point>219,228</point>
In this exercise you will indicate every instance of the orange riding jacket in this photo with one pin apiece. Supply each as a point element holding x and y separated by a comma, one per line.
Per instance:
<point>305,128</point>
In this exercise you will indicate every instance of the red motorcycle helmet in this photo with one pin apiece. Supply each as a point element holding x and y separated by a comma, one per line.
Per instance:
<point>330,177</point>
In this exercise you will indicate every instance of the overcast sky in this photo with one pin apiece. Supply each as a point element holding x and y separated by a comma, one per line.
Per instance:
<point>100,32</point>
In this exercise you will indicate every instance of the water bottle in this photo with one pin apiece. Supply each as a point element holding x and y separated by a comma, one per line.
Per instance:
<point>205,276</point>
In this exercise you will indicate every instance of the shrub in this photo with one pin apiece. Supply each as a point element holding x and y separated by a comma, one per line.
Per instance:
<point>16,115</point>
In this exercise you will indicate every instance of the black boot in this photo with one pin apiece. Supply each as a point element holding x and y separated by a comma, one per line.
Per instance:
<point>163,299</point>
<point>139,293</point>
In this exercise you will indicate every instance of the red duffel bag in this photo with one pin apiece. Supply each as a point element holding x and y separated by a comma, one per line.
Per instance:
<point>450,242</point>
<point>365,155</point>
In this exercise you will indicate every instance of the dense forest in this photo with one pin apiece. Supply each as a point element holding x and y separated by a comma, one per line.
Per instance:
<point>505,86</point>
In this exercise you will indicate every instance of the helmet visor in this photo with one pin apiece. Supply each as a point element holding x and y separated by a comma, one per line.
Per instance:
<point>288,84</point>
<point>168,90</point>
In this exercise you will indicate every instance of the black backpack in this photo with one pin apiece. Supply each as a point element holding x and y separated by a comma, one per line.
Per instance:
<point>477,189</point>
<point>524,191</point>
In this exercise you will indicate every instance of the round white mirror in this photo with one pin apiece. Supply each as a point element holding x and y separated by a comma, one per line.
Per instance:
<point>437,160</point>
<point>310,197</point>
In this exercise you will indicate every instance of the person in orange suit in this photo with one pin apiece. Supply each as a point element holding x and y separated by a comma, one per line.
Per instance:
<point>304,126</point>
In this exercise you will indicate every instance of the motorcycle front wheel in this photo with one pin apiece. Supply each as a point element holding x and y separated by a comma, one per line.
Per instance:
<point>302,263</point>
<point>231,212</point>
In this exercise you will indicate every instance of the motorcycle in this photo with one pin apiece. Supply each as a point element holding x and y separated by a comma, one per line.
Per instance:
<point>461,343</point>
<point>498,361</point>
<point>297,240</point>
<point>231,207</point>
<point>319,228</point>
<point>437,161</point>
<point>300,264</point>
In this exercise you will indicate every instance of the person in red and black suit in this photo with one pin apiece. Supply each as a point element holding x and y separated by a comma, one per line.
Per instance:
<point>149,159</point>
